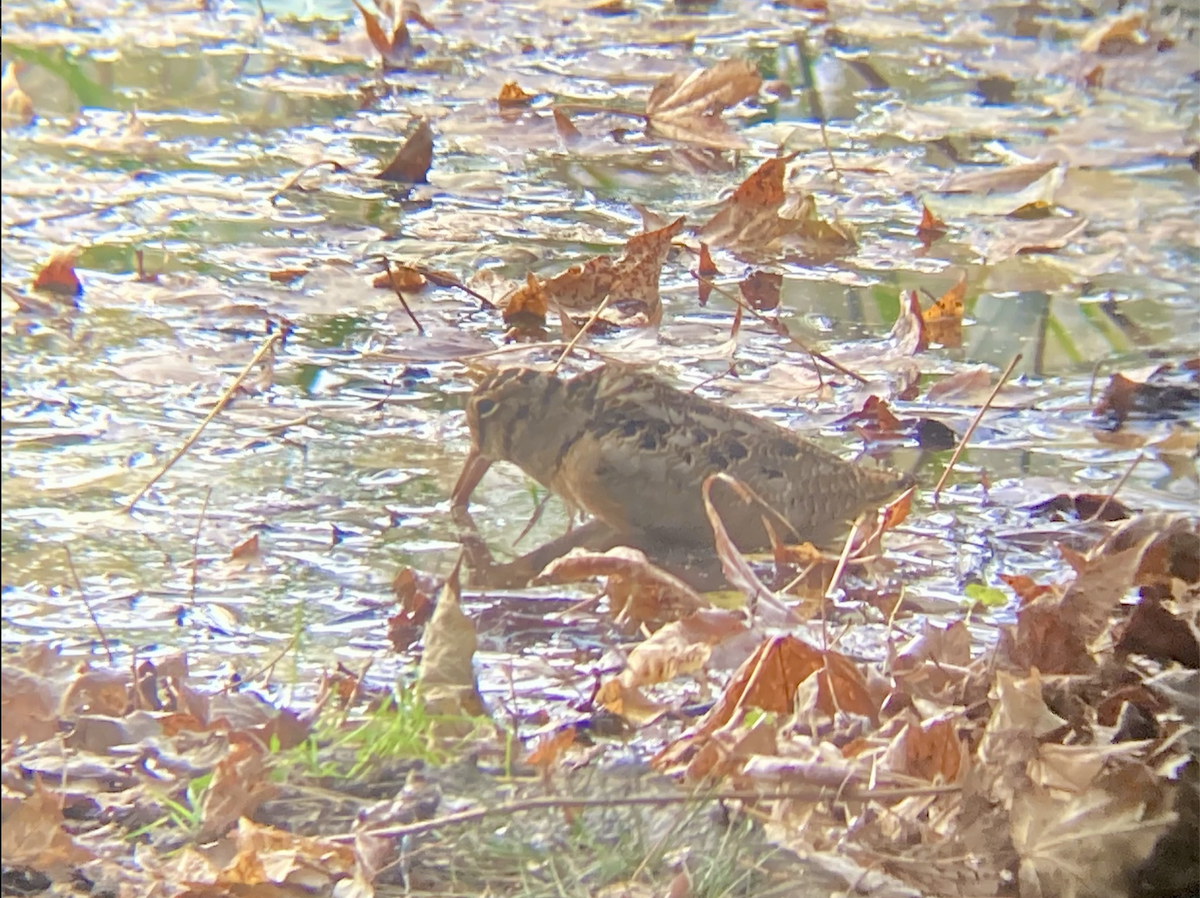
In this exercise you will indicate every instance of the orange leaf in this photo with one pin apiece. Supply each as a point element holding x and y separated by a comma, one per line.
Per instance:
<point>58,275</point>
<point>550,747</point>
<point>287,275</point>
<point>931,227</point>
<point>526,306</point>
<point>943,320</point>
<point>512,95</point>
<point>388,47</point>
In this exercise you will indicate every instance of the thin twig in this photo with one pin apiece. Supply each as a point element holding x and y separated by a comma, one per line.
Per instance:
<point>294,180</point>
<point>843,559</point>
<point>88,605</point>
<point>269,665</point>
<point>583,330</point>
<point>391,273</point>
<point>196,546</point>
<point>962,444</point>
<point>1120,483</point>
<point>848,793</point>
<point>779,328</point>
<point>262,350</point>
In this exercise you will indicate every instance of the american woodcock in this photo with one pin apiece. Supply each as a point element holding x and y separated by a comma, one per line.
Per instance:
<point>634,452</point>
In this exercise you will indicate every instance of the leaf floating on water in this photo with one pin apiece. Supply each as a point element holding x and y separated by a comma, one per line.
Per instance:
<point>412,162</point>
<point>566,128</point>
<point>393,46</point>
<point>706,269</point>
<point>931,227</point>
<point>752,218</point>
<point>525,308</point>
<point>511,96</point>
<point>688,107</point>
<point>761,290</point>
<point>943,319</point>
<point>58,276</point>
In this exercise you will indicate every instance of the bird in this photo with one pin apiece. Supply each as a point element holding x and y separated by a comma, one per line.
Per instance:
<point>634,452</point>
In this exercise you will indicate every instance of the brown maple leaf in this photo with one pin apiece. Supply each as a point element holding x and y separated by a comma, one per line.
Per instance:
<point>688,107</point>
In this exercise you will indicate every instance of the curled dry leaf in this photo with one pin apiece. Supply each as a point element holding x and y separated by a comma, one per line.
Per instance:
<point>931,227</point>
<point>706,269</point>
<point>411,164</point>
<point>681,647</point>
<point>909,330</point>
<point>638,590</point>
<point>390,40</point>
<point>525,308</point>
<point>688,107</point>
<point>943,319</point>
<point>512,96</point>
<point>404,278</point>
<point>58,275</point>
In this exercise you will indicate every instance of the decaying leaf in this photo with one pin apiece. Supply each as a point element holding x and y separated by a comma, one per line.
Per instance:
<point>411,164</point>
<point>688,107</point>
<point>566,128</point>
<point>1117,35</point>
<point>761,290</point>
<point>638,591</point>
<point>511,96</point>
<point>58,276</point>
<point>630,284</point>
<point>706,268</point>
<point>754,218</point>
<point>931,228</point>
<point>446,676</point>
<point>391,40</point>
<point>943,320</point>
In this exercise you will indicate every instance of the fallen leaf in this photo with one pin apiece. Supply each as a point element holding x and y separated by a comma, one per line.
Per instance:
<point>566,128</point>
<point>637,590</point>
<point>58,275</point>
<point>239,785</point>
<point>943,320</point>
<point>411,164</point>
<point>908,332</point>
<point>1116,35</point>
<point>446,674</point>
<point>287,275</point>
<point>549,748</point>
<point>931,228</point>
<point>33,835</point>
<point>761,290</point>
<point>525,308</point>
<point>753,217</point>
<point>404,278</point>
<point>688,107</point>
<point>392,47</point>
<point>511,96</point>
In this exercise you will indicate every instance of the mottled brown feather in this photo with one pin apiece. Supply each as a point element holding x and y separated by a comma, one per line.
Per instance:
<point>634,452</point>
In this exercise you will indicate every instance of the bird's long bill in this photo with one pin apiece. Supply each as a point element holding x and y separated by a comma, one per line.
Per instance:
<point>473,470</point>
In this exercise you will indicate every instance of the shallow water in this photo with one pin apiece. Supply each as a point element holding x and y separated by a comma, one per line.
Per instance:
<point>341,460</point>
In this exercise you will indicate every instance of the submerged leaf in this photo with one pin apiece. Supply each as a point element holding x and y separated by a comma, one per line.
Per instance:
<point>688,107</point>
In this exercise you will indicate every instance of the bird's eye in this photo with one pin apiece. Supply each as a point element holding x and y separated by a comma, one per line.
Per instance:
<point>485,407</point>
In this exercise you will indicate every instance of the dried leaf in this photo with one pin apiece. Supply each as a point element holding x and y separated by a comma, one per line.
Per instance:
<point>392,47</point>
<point>1116,35</point>
<point>566,128</point>
<point>632,280</point>
<point>943,320</point>
<point>512,96</point>
<point>688,108</point>
<point>637,590</point>
<point>58,275</point>
<point>753,218</point>
<point>411,164</point>
<point>706,269</point>
<point>549,748</point>
<point>446,675</point>
<point>761,290</point>
<point>931,227</point>
<point>909,330</point>
<point>525,308</point>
